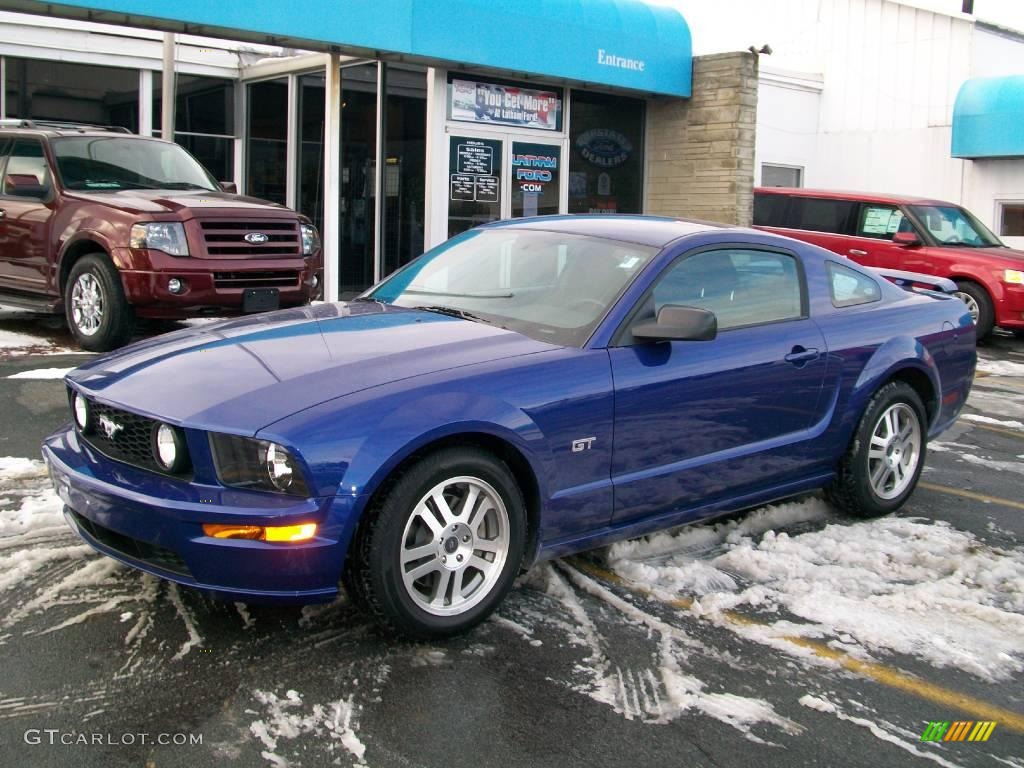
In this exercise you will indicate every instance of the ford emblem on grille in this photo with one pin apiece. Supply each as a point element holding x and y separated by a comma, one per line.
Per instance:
<point>256,238</point>
<point>110,427</point>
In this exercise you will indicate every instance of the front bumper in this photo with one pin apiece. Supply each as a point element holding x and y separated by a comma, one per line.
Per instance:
<point>154,523</point>
<point>1010,307</point>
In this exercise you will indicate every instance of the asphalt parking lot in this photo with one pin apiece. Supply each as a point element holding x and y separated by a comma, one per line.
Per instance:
<point>785,636</point>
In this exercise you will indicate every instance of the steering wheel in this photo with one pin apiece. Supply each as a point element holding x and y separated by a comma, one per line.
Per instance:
<point>581,303</point>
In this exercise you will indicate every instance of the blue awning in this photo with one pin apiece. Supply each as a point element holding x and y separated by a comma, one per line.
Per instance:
<point>621,43</point>
<point>988,118</point>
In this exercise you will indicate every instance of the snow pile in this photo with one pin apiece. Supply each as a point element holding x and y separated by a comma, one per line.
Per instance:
<point>897,585</point>
<point>1000,367</point>
<point>287,718</point>
<point>9,340</point>
<point>993,422</point>
<point>42,373</point>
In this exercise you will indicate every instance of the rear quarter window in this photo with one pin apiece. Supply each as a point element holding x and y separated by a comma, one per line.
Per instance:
<point>770,210</point>
<point>850,288</point>
<point>822,215</point>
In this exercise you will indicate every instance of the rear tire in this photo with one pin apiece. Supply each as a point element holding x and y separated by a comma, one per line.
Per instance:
<point>980,304</point>
<point>98,314</point>
<point>441,547</point>
<point>884,461</point>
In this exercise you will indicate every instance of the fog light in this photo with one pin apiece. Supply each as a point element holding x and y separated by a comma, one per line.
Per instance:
<point>315,282</point>
<point>83,414</point>
<point>176,285</point>
<point>276,533</point>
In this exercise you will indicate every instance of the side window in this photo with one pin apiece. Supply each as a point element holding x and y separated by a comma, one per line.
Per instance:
<point>742,287</point>
<point>770,210</point>
<point>881,221</point>
<point>822,215</point>
<point>850,288</point>
<point>26,174</point>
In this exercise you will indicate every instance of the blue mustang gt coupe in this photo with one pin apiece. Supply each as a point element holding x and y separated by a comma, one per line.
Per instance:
<point>526,390</point>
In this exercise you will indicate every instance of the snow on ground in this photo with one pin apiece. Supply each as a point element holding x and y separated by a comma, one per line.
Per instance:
<point>977,419</point>
<point>288,717</point>
<point>892,585</point>
<point>42,373</point>
<point>1000,367</point>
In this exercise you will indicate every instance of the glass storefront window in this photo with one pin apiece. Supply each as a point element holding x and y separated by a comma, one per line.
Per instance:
<point>536,179</point>
<point>606,158</point>
<point>358,168</point>
<point>405,158</point>
<point>204,120</point>
<point>474,182</point>
<point>70,92</point>
<point>267,150</point>
<point>310,188</point>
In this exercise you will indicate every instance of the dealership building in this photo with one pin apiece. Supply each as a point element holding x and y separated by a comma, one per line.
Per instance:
<point>398,123</point>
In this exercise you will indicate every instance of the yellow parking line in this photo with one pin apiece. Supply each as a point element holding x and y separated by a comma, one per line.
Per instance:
<point>1001,430</point>
<point>880,673</point>
<point>970,495</point>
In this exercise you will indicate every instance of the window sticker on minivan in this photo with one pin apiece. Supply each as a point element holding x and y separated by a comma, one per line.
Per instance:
<point>880,220</point>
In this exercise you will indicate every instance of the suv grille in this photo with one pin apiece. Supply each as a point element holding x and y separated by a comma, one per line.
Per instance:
<point>278,279</point>
<point>159,557</point>
<point>131,444</point>
<point>227,238</point>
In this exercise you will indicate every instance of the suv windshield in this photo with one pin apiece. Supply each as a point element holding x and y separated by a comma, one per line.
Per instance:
<point>950,225</point>
<point>98,163</point>
<point>547,285</point>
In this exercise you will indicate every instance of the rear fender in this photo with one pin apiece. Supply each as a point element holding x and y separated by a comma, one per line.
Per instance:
<point>897,354</point>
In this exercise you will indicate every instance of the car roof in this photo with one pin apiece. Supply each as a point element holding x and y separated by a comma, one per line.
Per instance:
<point>655,231</point>
<point>52,128</point>
<point>864,197</point>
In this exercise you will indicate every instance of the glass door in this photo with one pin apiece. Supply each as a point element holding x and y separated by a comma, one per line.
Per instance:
<point>535,179</point>
<point>474,182</point>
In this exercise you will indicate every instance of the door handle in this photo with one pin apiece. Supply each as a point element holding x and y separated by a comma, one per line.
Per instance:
<point>858,252</point>
<point>800,356</point>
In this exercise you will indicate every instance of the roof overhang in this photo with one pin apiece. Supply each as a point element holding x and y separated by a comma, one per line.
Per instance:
<point>621,44</point>
<point>988,118</point>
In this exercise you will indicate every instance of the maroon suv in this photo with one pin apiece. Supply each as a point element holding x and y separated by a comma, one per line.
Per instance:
<point>107,226</point>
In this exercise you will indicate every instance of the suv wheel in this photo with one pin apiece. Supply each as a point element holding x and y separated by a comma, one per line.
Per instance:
<point>441,548</point>
<point>979,304</point>
<point>98,314</point>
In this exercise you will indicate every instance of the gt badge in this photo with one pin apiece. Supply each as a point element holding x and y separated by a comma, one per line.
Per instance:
<point>583,444</point>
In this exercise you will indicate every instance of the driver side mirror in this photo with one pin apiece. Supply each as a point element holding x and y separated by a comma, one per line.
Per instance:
<point>25,185</point>
<point>679,323</point>
<point>906,239</point>
<point>229,187</point>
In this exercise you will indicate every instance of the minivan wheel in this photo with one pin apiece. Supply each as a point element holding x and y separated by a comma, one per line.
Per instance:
<point>441,548</point>
<point>884,461</point>
<point>97,312</point>
<point>979,304</point>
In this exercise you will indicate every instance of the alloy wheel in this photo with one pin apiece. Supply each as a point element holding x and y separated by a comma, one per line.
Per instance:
<point>972,304</point>
<point>87,304</point>
<point>454,546</point>
<point>895,451</point>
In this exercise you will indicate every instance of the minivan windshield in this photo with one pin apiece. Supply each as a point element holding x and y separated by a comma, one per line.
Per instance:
<point>549,286</point>
<point>110,163</point>
<point>952,225</point>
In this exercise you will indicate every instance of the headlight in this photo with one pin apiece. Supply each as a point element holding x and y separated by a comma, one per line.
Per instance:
<point>169,449</point>
<point>310,240</point>
<point>1013,276</point>
<point>259,465</point>
<point>82,411</point>
<point>168,237</point>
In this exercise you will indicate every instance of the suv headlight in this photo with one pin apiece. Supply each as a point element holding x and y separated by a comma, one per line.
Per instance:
<point>257,465</point>
<point>1013,276</point>
<point>168,237</point>
<point>310,240</point>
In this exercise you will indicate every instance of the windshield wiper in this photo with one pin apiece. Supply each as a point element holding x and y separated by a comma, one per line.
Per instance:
<point>183,185</point>
<point>451,312</point>
<point>506,295</point>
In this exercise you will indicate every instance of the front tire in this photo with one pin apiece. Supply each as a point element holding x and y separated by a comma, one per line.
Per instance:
<point>979,303</point>
<point>98,314</point>
<point>884,461</point>
<point>440,549</point>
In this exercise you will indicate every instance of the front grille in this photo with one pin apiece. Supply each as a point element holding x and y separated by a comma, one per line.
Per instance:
<point>278,279</point>
<point>227,238</point>
<point>132,443</point>
<point>151,554</point>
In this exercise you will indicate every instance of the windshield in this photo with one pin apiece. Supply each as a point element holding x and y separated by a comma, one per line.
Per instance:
<point>547,285</point>
<point>950,225</point>
<point>99,163</point>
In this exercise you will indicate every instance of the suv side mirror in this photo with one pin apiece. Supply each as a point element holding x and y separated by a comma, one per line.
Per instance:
<point>229,186</point>
<point>679,323</point>
<point>906,239</point>
<point>25,185</point>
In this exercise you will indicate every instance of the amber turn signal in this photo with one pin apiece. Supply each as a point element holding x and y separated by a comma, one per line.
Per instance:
<point>278,533</point>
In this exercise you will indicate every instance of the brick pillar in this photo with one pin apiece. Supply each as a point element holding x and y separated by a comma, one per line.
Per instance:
<point>700,151</point>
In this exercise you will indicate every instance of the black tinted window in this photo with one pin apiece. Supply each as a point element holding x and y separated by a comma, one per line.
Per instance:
<point>822,215</point>
<point>770,210</point>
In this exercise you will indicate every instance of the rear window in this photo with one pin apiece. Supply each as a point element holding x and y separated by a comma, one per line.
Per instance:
<point>822,214</point>
<point>770,210</point>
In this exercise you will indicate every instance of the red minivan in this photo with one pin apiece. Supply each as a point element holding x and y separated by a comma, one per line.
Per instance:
<point>907,233</point>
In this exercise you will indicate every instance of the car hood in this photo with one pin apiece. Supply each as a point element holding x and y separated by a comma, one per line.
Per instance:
<point>241,375</point>
<point>1013,256</point>
<point>177,201</point>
